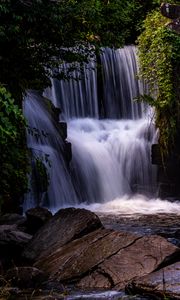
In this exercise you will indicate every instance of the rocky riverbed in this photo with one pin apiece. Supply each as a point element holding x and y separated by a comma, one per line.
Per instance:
<point>76,254</point>
<point>163,224</point>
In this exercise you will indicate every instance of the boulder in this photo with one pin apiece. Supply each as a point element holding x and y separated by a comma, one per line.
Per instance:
<point>141,257</point>
<point>66,225</point>
<point>171,11</point>
<point>12,243</point>
<point>174,25</point>
<point>106,259</point>
<point>10,236</point>
<point>164,283</point>
<point>25,277</point>
<point>36,218</point>
<point>80,256</point>
<point>12,219</point>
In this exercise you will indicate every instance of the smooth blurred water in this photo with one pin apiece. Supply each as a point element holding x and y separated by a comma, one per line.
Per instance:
<point>111,158</point>
<point>111,137</point>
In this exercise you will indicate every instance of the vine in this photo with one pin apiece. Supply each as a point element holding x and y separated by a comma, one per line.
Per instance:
<point>159,56</point>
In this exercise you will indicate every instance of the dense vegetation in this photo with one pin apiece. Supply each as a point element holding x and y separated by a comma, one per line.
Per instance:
<point>159,52</point>
<point>13,158</point>
<point>35,37</point>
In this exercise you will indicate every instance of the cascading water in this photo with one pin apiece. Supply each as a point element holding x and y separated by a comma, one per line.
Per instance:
<point>111,136</point>
<point>47,146</point>
<point>120,84</point>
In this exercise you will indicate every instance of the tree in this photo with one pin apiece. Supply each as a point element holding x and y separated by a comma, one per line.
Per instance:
<point>36,36</point>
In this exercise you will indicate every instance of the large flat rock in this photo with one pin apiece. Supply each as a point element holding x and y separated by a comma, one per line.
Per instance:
<point>82,255</point>
<point>106,259</point>
<point>141,257</point>
<point>66,225</point>
<point>164,283</point>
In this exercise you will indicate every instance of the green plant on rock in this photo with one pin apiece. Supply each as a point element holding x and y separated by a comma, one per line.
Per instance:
<point>14,155</point>
<point>159,55</point>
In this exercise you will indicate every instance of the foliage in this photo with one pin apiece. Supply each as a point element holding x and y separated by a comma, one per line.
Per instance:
<point>36,36</point>
<point>13,159</point>
<point>159,54</point>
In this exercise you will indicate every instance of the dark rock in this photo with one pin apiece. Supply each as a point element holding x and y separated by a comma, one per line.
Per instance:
<point>66,225</point>
<point>141,257</point>
<point>11,219</point>
<point>106,259</point>
<point>25,277</point>
<point>174,25</point>
<point>164,283</point>
<point>36,218</point>
<point>68,151</point>
<point>63,129</point>
<point>12,243</point>
<point>81,255</point>
<point>171,11</point>
<point>156,157</point>
<point>11,236</point>
<point>96,279</point>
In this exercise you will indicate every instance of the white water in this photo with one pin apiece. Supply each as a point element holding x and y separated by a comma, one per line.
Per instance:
<point>115,167</point>
<point>111,168</point>
<point>135,205</point>
<point>112,158</point>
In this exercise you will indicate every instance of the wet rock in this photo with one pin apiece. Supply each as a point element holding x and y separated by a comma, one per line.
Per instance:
<point>171,11</point>
<point>141,257</point>
<point>25,277</point>
<point>12,243</point>
<point>164,283</point>
<point>66,225</point>
<point>36,218</point>
<point>106,259</point>
<point>175,25</point>
<point>166,225</point>
<point>11,236</point>
<point>78,257</point>
<point>96,279</point>
<point>12,219</point>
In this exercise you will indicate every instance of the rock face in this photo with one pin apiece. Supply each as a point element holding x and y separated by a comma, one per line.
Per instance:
<point>66,225</point>
<point>106,259</point>
<point>163,283</point>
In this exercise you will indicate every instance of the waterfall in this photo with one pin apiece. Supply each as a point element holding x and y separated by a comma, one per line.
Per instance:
<point>120,84</point>
<point>47,146</point>
<point>76,98</point>
<point>111,158</point>
<point>111,134</point>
